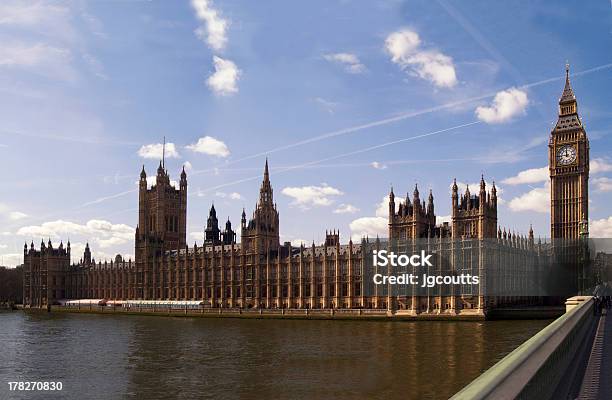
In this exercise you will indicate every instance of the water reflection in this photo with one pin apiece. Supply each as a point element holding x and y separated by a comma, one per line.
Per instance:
<point>180,358</point>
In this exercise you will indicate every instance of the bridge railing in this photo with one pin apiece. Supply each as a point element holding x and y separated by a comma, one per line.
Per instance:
<point>535,369</point>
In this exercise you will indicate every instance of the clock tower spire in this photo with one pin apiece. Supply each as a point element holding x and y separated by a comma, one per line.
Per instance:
<point>568,157</point>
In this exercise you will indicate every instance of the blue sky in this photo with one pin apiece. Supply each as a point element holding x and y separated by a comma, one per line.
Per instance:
<point>89,89</point>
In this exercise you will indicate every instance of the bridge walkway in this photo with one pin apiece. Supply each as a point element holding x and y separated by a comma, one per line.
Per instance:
<point>597,381</point>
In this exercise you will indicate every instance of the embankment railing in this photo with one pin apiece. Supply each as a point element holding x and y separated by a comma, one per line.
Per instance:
<point>535,369</point>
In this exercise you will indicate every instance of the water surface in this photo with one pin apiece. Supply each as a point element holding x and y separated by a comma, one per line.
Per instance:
<point>126,356</point>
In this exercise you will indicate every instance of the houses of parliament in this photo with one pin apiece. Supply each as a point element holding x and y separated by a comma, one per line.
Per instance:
<point>259,271</point>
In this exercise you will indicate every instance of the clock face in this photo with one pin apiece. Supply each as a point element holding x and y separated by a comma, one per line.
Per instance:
<point>566,155</point>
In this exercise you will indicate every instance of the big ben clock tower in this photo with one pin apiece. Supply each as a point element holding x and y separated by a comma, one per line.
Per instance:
<point>568,159</point>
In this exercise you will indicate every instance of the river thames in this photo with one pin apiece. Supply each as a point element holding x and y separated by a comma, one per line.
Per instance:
<point>115,357</point>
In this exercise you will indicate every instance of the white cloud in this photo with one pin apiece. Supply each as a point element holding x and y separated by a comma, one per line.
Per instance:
<point>382,209</point>
<point>533,175</point>
<point>231,196</point>
<point>536,175</point>
<point>155,151</point>
<point>188,166</point>
<point>350,62</point>
<point>298,242</point>
<point>104,233</point>
<point>13,215</point>
<point>372,226</point>
<point>598,165</point>
<point>307,196</point>
<point>11,259</point>
<point>536,200</point>
<point>603,184</point>
<point>17,215</point>
<point>369,226</point>
<point>152,180</point>
<point>211,146</point>
<point>224,81</point>
<point>214,33</point>
<point>377,165</point>
<point>601,228</point>
<point>197,236</point>
<point>44,18</point>
<point>3,246</point>
<point>404,47</point>
<point>32,15</point>
<point>40,58</point>
<point>440,219</point>
<point>346,209</point>
<point>506,105</point>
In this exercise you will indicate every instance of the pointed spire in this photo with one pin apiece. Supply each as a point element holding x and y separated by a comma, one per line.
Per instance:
<point>568,93</point>
<point>163,162</point>
<point>143,174</point>
<point>183,174</point>
<point>265,192</point>
<point>430,203</point>
<point>482,182</point>
<point>455,188</point>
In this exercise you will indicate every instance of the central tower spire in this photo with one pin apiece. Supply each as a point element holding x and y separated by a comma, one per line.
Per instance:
<point>265,193</point>
<point>164,154</point>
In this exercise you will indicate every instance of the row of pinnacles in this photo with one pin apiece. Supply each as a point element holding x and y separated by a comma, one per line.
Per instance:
<point>472,216</point>
<point>48,250</point>
<point>330,275</point>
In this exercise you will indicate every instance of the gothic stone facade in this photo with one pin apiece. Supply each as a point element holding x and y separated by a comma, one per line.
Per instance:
<point>260,272</point>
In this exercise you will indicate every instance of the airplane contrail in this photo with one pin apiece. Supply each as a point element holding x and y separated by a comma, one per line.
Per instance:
<point>103,199</point>
<point>408,115</point>
<point>372,124</point>
<point>363,150</point>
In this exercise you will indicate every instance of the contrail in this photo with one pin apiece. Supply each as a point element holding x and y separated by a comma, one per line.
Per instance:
<point>372,124</point>
<point>408,115</point>
<point>366,149</point>
<point>103,199</point>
